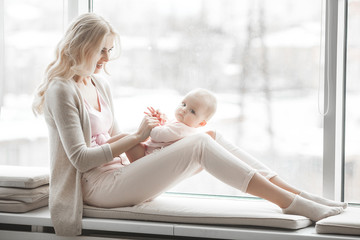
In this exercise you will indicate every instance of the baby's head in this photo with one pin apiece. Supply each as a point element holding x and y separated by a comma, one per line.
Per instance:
<point>196,108</point>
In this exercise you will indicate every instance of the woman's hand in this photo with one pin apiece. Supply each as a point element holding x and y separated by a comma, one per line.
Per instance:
<point>147,124</point>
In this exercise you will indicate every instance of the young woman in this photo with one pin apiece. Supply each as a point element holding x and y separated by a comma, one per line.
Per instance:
<point>85,143</point>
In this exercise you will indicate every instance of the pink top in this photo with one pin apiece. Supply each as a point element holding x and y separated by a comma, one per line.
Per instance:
<point>167,134</point>
<point>100,121</point>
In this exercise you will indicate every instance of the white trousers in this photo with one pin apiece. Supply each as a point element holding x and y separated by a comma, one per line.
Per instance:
<point>119,186</point>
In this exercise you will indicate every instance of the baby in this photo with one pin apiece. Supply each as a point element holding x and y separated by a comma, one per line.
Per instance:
<point>195,110</point>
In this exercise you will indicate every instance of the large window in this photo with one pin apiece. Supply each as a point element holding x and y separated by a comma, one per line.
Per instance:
<point>260,57</point>
<point>263,59</point>
<point>352,140</point>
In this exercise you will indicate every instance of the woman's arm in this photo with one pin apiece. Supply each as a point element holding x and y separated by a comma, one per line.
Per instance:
<point>120,143</point>
<point>65,116</point>
<point>117,137</point>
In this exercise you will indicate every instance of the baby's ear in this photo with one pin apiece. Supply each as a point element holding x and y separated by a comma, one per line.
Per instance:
<point>203,123</point>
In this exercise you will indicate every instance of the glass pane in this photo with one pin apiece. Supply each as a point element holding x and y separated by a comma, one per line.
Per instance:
<point>262,61</point>
<point>352,140</point>
<point>31,32</point>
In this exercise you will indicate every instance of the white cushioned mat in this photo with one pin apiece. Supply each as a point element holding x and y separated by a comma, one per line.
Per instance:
<point>13,206</point>
<point>23,177</point>
<point>219,211</point>
<point>345,223</point>
<point>27,195</point>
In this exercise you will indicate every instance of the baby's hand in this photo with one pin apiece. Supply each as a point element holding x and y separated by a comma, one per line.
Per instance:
<point>156,113</point>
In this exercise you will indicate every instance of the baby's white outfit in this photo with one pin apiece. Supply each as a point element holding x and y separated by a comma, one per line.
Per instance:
<point>167,134</point>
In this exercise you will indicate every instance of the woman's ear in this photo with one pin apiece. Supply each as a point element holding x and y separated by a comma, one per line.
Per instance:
<point>203,123</point>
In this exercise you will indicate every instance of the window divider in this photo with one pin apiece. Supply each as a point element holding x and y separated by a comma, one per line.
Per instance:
<point>73,8</point>
<point>90,5</point>
<point>342,77</point>
<point>2,55</point>
<point>335,63</point>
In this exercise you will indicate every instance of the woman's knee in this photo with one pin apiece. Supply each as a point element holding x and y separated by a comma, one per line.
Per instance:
<point>203,137</point>
<point>200,139</point>
<point>198,145</point>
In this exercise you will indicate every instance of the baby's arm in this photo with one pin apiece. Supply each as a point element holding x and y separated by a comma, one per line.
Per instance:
<point>169,132</point>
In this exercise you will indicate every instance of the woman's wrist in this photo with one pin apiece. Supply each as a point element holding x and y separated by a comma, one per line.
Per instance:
<point>137,137</point>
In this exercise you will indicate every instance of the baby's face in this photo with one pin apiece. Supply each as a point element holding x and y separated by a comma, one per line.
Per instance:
<point>191,111</point>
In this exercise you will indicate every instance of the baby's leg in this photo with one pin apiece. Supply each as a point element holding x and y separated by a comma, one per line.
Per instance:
<point>136,152</point>
<point>212,134</point>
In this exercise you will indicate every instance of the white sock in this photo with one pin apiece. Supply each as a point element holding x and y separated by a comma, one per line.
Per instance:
<point>310,209</point>
<point>323,201</point>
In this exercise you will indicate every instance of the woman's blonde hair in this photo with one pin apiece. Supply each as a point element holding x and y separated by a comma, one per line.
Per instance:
<point>76,53</point>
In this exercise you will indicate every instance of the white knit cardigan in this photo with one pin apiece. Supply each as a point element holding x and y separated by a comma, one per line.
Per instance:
<point>70,153</point>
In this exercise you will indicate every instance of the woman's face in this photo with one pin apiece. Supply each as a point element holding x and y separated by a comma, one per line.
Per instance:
<point>104,55</point>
